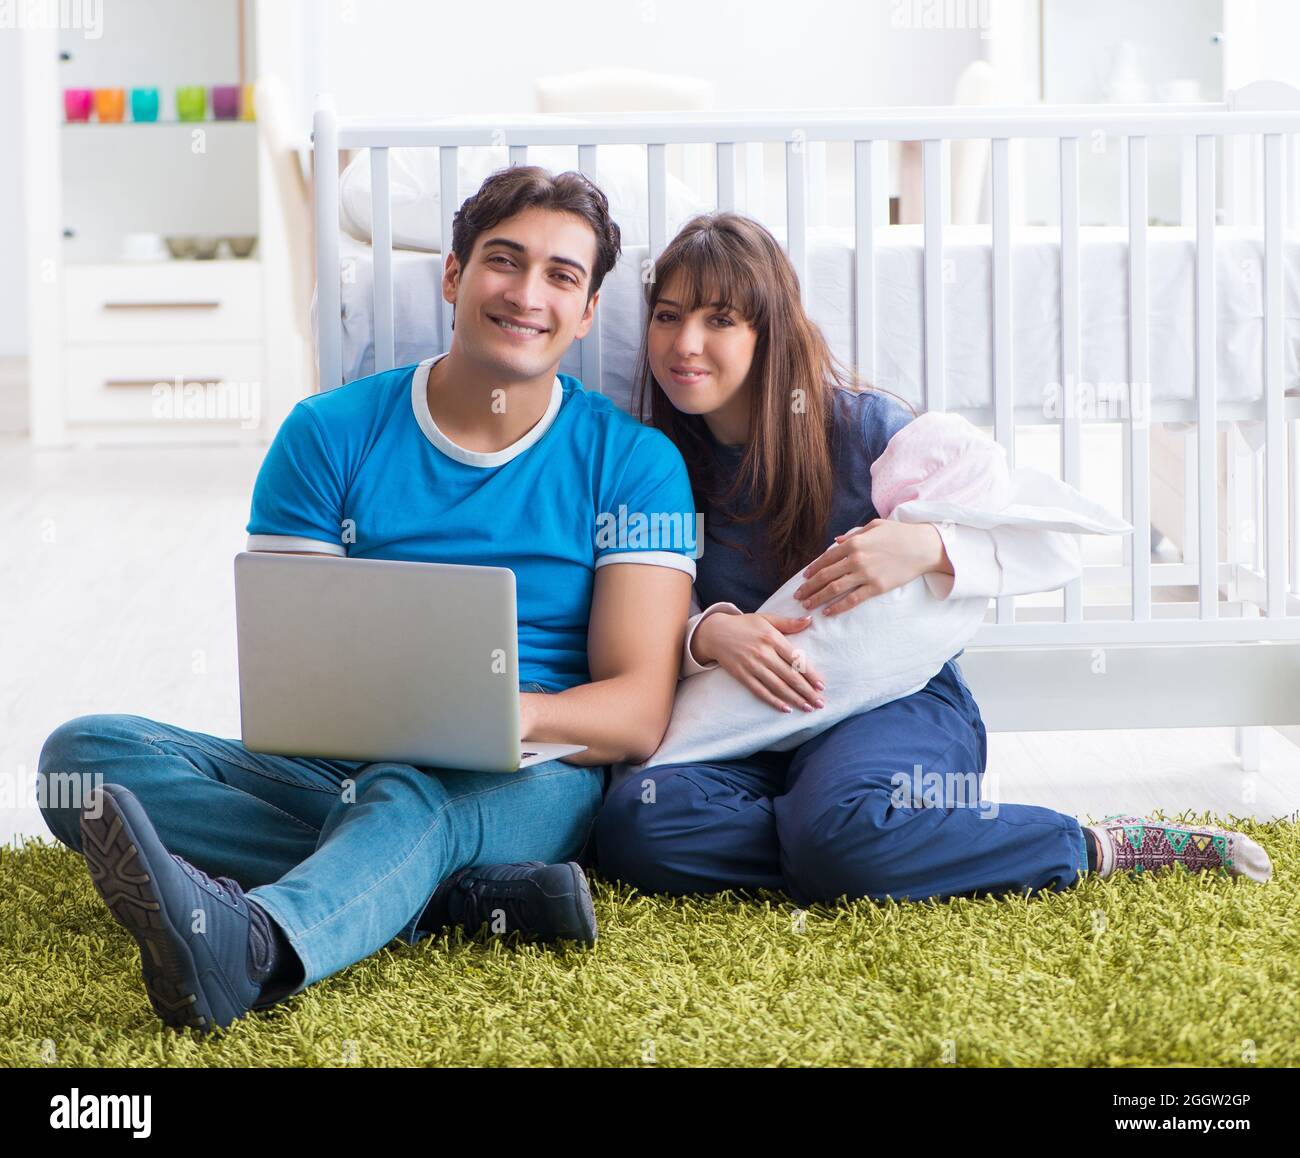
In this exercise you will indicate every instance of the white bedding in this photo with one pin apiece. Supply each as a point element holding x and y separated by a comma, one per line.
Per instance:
<point>1035,311</point>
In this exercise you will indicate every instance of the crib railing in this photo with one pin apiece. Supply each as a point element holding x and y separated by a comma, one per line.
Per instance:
<point>1260,573</point>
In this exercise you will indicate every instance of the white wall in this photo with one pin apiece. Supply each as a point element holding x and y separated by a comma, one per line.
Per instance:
<point>406,56</point>
<point>1278,25</point>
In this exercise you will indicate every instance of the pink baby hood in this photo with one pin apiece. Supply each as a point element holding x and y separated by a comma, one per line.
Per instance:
<point>944,458</point>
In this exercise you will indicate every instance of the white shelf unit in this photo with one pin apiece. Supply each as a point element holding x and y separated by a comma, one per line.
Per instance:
<point>173,350</point>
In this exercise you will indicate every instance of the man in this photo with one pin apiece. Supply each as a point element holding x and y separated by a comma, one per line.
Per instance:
<point>485,455</point>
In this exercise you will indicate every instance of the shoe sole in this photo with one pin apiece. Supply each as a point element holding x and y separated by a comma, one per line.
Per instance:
<point>586,911</point>
<point>121,876</point>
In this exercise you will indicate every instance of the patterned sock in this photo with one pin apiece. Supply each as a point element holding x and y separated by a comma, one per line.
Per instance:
<point>1140,844</point>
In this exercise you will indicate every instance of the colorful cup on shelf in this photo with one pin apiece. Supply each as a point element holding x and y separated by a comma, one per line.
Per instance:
<point>110,104</point>
<point>144,104</point>
<point>191,102</point>
<point>77,103</point>
<point>225,102</point>
<point>247,104</point>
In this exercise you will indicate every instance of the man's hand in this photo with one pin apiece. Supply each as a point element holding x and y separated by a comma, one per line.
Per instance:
<point>869,561</point>
<point>527,716</point>
<point>634,642</point>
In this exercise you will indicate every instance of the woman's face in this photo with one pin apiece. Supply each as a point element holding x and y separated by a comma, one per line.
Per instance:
<point>702,358</point>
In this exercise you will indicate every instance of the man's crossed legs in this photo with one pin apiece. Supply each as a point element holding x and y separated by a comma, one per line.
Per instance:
<point>343,856</point>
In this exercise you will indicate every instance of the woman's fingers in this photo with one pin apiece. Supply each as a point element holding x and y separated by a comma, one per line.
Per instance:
<point>759,689</point>
<point>835,587</point>
<point>773,680</point>
<point>786,624</point>
<point>791,654</point>
<point>811,588</point>
<point>801,680</point>
<point>830,555</point>
<point>849,601</point>
<point>788,664</point>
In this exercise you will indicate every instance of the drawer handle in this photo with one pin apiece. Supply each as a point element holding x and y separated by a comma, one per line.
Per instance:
<point>161,381</point>
<point>162,305</point>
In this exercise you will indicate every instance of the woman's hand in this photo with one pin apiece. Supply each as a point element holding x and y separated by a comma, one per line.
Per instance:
<point>755,651</point>
<point>869,561</point>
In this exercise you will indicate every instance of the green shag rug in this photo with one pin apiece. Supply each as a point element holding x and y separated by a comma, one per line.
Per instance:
<point>1173,969</point>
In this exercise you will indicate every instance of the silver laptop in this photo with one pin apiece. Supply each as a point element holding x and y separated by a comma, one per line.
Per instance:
<point>377,660</point>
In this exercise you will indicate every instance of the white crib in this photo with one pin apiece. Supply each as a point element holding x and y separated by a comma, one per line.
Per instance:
<point>1229,657</point>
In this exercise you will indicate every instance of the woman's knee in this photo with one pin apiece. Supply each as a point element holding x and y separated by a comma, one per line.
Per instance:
<point>836,849</point>
<point>638,822</point>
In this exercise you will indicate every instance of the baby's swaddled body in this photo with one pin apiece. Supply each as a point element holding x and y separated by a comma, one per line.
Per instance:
<point>885,648</point>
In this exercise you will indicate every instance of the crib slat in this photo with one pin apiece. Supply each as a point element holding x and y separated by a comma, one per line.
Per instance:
<point>1293,555</point>
<point>657,209</point>
<point>1232,212</point>
<point>796,211</point>
<point>816,154</point>
<point>880,181</point>
<point>1004,421</point>
<point>518,155</point>
<point>1274,418</point>
<point>1187,181</point>
<point>864,264</point>
<point>932,201</point>
<point>657,198</point>
<point>381,246</point>
<point>1206,385</point>
<point>589,348</point>
<point>1071,449</point>
<point>726,165</point>
<point>1139,376</point>
<point>754,161</point>
<point>1004,414</point>
<point>1291,186</point>
<point>449,192</point>
<point>329,293</point>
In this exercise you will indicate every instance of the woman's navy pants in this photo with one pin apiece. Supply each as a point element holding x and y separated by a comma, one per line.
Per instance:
<point>887,803</point>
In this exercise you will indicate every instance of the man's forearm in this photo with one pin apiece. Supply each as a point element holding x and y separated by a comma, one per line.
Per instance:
<point>618,719</point>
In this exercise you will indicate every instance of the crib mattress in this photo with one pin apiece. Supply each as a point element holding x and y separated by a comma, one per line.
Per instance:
<point>967,302</point>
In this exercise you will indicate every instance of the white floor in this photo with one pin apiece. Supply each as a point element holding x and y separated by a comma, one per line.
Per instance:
<point>117,595</point>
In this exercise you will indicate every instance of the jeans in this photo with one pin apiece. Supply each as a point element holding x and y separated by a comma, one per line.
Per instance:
<point>886,803</point>
<point>344,855</point>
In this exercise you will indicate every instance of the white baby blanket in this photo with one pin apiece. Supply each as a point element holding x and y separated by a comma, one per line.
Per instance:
<point>939,468</point>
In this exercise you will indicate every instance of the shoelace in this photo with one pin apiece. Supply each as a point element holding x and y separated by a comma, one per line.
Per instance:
<point>231,890</point>
<point>513,906</point>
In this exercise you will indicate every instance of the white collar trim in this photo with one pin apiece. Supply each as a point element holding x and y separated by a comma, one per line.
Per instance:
<point>420,405</point>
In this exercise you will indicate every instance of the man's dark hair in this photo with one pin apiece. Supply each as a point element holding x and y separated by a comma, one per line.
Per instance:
<point>510,191</point>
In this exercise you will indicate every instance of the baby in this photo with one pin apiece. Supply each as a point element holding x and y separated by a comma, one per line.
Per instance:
<point>938,468</point>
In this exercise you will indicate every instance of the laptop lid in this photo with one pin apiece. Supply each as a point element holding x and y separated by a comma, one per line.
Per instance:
<point>376,659</point>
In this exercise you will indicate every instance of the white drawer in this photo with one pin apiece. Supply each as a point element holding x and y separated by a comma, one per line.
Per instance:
<point>164,302</point>
<point>194,384</point>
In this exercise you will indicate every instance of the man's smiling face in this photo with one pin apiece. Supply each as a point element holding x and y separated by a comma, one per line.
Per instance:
<point>521,299</point>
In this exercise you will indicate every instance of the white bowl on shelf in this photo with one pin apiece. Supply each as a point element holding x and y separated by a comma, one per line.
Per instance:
<point>144,247</point>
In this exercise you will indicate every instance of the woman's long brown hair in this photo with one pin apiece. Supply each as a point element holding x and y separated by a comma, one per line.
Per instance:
<point>787,467</point>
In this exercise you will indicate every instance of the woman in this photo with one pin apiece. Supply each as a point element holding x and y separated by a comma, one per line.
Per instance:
<point>779,441</point>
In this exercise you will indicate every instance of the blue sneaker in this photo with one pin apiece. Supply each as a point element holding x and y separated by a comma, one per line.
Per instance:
<point>194,979</point>
<point>542,902</point>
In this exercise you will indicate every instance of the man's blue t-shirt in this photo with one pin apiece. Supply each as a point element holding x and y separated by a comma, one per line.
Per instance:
<point>363,471</point>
